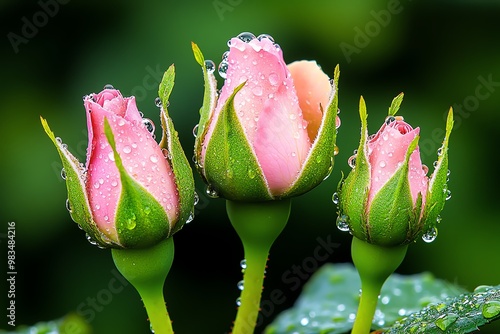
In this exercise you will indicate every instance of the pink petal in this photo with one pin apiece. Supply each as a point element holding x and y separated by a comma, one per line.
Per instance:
<point>313,90</point>
<point>387,151</point>
<point>141,156</point>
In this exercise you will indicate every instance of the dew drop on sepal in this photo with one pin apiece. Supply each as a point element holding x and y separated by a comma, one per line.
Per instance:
<point>210,66</point>
<point>430,235</point>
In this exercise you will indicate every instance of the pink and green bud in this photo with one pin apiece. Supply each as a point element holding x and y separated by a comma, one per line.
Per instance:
<point>270,132</point>
<point>131,192</point>
<point>388,199</point>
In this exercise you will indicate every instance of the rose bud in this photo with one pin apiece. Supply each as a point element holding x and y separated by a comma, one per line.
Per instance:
<point>387,199</point>
<point>270,133</point>
<point>132,192</point>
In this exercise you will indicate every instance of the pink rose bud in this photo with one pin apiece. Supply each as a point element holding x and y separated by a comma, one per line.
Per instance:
<point>128,193</point>
<point>388,199</point>
<point>271,131</point>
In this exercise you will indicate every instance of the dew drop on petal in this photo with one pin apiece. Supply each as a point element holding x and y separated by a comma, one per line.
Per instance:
<point>150,126</point>
<point>382,164</point>
<point>223,69</point>
<point>111,156</point>
<point>262,36</point>
<point>274,79</point>
<point>246,37</point>
<point>127,149</point>
<point>108,86</point>
<point>153,158</point>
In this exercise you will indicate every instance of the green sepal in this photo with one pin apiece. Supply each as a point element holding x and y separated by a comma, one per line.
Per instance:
<point>176,158</point>
<point>140,219</point>
<point>320,160</point>
<point>396,103</point>
<point>75,183</point>
<point>206,110</point>
<point>353,193</point>
<point>437,190</point>
<point>231,167</point>
<point>390,215</point>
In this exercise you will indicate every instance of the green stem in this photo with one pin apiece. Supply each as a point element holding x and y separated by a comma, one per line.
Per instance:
<point>374,264</point>
<point>258,225</point>
<point>146,269</point>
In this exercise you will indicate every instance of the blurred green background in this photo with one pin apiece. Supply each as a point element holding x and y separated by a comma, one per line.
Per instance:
<point>439,53</point>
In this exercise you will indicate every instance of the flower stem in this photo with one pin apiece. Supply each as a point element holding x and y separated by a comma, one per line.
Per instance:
<point>258,224</point>
<point>146,269</point>
<point>374,264</point>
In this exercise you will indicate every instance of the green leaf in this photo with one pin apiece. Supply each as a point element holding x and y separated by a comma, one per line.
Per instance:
<point>319,163</point>
<point>391,211</point>
<point>231,167</point>
<point>461,314</point>
<point>353,193</point>
<point>176,157</point>
<point>140,219</point>
<point>330,299</point>
<point>75,183</point>
<point>396,103</point>
<point>208,107</point>
<point>437,191</point>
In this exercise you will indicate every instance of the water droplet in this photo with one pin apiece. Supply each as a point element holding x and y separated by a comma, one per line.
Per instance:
<point>68,206</point>
<point>440,151</point>
<point>63,174</point>
<point>382,164</point>
<point>435,164</point>
<point>114,183</point>
<point>352,161</point>
<point>131,223</point>
<point>240,285</point>
<point>195,130</point>
<point>448,194</point>
<point>90,240</point>
<point>482,288</point>
<point>343,223</point>
<point>223,69</point>
<point>430,235</point>
<point>153,158</point>
<point>196,198</point>
<point>446,321</point>
<point>238,301</point>
<point>109,86</point>
<point>243,264</point>
<point>262,36</point>
<point>304,321</point>
<point>96,185</point>
<point>225,55</point>
<point>251,173</point>
<point>274,79</point>
<point>257,91</point>
<point>336,150</point>
<point>390,119</point>
<point>246,37</point>
<point>190,217</point>
<point>271,96</point>
<point>210,66</point>
<point>158,102</point>
<point>491,309</point>
<point>150,126</point>
<point>58,140</point>
<point>147,210</point>
<point>425,169</point>
<point>438,219</point>
<point>151,328</point>
<point>329,171</point>
<point>127,149</point>
<point>212,192</point>
<point>335,199</point>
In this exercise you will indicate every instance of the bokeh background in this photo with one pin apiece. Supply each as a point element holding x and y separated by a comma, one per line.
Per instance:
<point>439,53</point>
